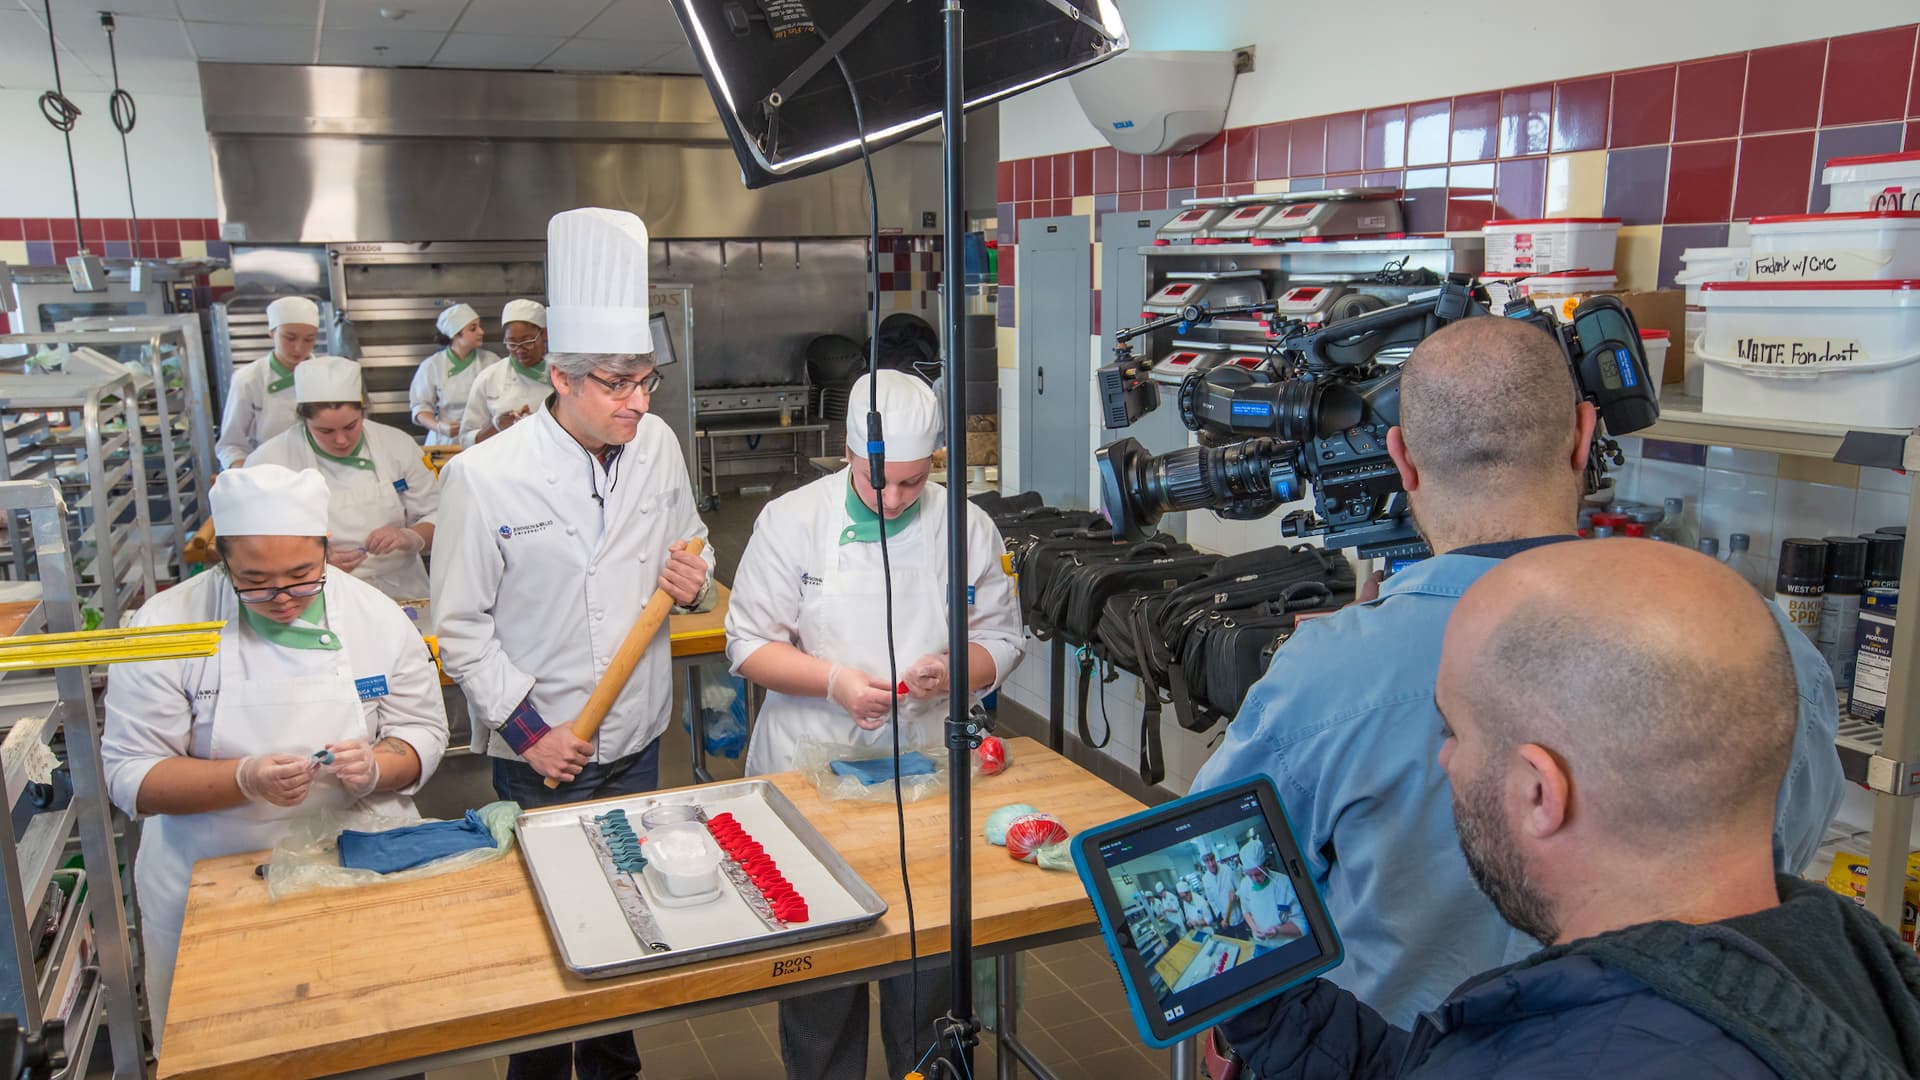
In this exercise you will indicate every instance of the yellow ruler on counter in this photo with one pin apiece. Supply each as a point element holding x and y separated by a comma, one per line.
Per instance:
<point>115,646</point>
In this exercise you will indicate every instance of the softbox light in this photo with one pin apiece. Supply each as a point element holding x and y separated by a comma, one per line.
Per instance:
<point>770,67</point>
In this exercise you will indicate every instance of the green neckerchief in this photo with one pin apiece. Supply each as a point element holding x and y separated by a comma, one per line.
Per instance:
<point>355,459</point>
<point>307,632</point>
<point>538,372</point>
<point>1259,885</point>
<point>455,365</point>
<point>282,375</point>
<point>866,524</point>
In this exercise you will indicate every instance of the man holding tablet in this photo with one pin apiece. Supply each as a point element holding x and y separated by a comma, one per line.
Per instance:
<point>1674,950</point>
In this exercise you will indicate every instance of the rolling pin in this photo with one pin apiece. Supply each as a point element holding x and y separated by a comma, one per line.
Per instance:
<point>614,679</point>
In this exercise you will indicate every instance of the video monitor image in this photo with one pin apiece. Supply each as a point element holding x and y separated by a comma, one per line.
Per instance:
<point>1209,906</point>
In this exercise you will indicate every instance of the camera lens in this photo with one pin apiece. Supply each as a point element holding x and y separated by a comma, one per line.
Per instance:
<point>1244,478</point>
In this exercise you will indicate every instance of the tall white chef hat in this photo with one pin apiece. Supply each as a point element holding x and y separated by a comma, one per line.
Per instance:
<point>597,282</point>
<point>909,416</point>
<point>526,311</point>
<point>269,500</point>
<point>454,319</point>
<point>297,310</point>
<point>1253,853</point>
<point>327,379</point>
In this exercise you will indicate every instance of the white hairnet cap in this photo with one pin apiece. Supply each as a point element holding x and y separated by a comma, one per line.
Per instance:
<point>1252,853</point>
<point>297,310</point>
<point>597,282</point>
<point>454,319</point>
<point>526,311</point>
<point>909,416</point>
<point>328,379</point>
<point>269,500</point>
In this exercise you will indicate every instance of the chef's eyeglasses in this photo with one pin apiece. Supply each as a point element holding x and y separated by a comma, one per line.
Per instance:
<point>300,591</point>
<point>520,344</point>
<point>622,389</point>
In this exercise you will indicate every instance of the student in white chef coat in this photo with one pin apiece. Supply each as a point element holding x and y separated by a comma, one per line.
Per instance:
<point>509,392</point>
<point>1219,881</point>
<point>806,621</point>
<point>1267,901</point>
<point>553,536</point>
<point>214,755</point>
<point>1195,912</point>
<point>438,394</point>
<point>260,395</point>
<point>381,497</point>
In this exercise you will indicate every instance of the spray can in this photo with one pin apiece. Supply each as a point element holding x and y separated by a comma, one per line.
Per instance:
<point>1840,605</point>
<point>1800,586</point>
<point>1884,552</point>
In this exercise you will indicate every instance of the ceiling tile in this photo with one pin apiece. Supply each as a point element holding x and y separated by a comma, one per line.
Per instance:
<point>494,50</point>
<point>379,48</point>
<point>134,37</point>
<point>588,54</point>
<point>252,44</point>
<point>636,20</point>
<point>253,12</point>
<point>679,61</point>
<point>23,52</point>
<point>420,14</point>
<point>563,17</point>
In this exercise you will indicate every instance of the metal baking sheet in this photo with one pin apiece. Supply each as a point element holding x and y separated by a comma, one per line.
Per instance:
<point>592,933</point>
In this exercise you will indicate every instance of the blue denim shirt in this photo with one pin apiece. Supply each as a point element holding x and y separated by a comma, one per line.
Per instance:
<point>1344,723</point>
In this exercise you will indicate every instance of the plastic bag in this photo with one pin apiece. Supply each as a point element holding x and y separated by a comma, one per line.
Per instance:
<point>997,822</point>
<point>990,758</point>
<point>308,857</point>
<point>723,716</point>
<point>1027,835</point>
<point>815,762</point>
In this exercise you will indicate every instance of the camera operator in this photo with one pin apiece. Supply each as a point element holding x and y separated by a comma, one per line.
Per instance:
<point>1492,447</point>
<point>1618,714</point>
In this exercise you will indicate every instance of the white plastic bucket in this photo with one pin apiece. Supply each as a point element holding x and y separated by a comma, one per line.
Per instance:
<point>1697,267</point>
<point>1550,245</point>
<point>1655,344</point>
<point>1873,182</point>
<point>1870,245</point>
<point>1827,352</point>
<point>1564,291</point>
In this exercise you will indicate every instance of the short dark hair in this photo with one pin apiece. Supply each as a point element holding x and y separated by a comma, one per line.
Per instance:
<point>1486,401</point>
<point>220,546</point>
<point>306,409</point>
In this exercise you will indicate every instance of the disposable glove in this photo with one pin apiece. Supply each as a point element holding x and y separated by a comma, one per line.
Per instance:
<point>277,779</point>
<point>354,766</point>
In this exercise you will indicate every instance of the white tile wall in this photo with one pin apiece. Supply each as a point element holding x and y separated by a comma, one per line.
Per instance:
<point>1811,510</point>
<point>1738,502</point>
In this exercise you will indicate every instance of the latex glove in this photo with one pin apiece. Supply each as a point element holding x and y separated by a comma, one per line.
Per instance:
<point>388,539</point>
<point>865,698</point>
<point>683,575</point>
<point>348,559</point>
<point>926,676</point>
<point>449,428</point>
<point>279,779</point>
<point>559,755</point>
<point>354,766</point>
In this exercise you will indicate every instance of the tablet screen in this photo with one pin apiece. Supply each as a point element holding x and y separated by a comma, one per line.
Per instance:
<point>1213,916</point>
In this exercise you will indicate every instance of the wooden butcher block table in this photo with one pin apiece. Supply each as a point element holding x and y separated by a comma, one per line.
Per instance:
<point>395,978</point>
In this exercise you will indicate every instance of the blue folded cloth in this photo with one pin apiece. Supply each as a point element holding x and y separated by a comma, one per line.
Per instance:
<point>412,845</point>
<point>872,771</point>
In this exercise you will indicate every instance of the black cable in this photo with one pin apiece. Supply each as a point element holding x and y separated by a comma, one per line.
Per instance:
<point>121,110</point>
<point>879,481</point>
<point>62,113</point>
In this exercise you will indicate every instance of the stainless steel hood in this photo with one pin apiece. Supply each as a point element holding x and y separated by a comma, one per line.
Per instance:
<point>341,154</point>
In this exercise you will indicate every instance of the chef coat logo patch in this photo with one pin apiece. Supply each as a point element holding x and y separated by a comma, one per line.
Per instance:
<point>807,579</point>
<point>373,686</point>
<point>508,532</point>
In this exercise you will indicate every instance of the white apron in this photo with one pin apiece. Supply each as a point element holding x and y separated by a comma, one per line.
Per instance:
<point>843,621</point>
<point>251,716</point>
<point>450,395</point>
<point>360,501</point>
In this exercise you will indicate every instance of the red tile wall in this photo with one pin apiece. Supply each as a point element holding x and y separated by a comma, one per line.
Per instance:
<point>1742,131</point>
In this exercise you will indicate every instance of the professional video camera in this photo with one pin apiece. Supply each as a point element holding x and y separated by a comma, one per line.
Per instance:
<point>1315,413</point>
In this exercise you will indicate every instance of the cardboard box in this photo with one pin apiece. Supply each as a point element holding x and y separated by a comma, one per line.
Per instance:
<point>1663,310</point>
<point>1848,877</point>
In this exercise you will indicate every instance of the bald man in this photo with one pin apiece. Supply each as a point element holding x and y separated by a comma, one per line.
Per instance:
<point>1619,714</point>
<point>1492,447</point>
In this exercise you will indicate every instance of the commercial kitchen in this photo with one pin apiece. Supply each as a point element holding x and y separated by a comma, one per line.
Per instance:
<point>1056,538</point>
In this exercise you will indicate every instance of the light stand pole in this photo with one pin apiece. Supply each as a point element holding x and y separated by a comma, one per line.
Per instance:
<point>962,732</point>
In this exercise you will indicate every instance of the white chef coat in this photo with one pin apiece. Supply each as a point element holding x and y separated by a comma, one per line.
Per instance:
<point>1196,910</point>
<point>1219,886</point>
<point>499,390</point>
<point>535,584</point>
<point>253,414</point>
<point>791,565</point>
<point>1270,906</point>
<point>445,395</point>
<point>163,709</point>
<point>399,490</point>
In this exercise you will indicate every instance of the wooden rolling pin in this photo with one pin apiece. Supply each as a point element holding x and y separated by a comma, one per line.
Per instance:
<point>614,679</point>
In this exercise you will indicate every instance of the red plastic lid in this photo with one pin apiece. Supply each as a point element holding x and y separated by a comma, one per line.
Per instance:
<point>1854,215</point>
<point>1554,221</point>
<point>1875,159</point>
<point>1571,273</point>
<point>1808,286</point>
<point>1655,335</point>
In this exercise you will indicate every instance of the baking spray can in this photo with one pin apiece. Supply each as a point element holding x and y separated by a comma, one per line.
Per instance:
<point>1840,606</point>
<point>1800,586</point>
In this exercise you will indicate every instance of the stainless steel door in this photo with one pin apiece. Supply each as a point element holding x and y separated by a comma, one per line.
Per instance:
<point>1054,309</point>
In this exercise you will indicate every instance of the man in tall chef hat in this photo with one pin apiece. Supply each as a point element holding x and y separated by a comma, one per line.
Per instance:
<point>552,537</point>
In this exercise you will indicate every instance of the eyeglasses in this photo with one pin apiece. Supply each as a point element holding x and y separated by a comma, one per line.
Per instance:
<point>622,389</point>
<point>300,591</point>
<point>522,345</point>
